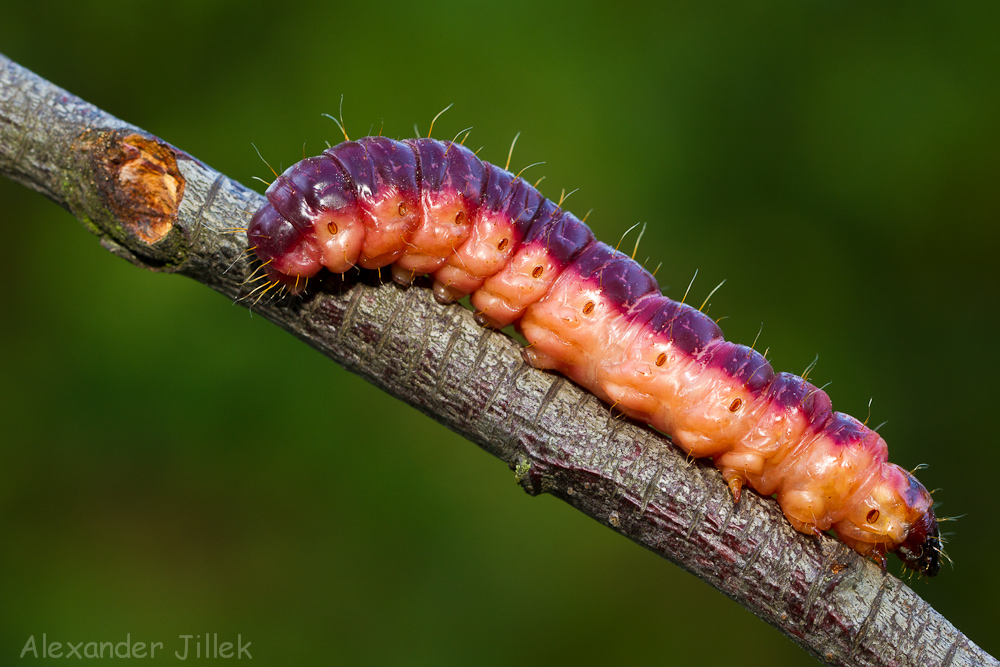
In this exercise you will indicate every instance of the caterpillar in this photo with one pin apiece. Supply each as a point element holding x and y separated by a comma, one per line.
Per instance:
<point>593,314</point>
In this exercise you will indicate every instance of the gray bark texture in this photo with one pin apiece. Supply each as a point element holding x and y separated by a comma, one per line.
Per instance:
<point>163,210</point>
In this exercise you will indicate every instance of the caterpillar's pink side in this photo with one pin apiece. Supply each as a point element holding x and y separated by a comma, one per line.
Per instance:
<point>595,315</point>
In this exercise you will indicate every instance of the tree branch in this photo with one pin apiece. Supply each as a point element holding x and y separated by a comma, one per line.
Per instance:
<point>165,211</point>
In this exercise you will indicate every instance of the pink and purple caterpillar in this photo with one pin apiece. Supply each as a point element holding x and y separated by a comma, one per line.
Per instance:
<point>595,315</point>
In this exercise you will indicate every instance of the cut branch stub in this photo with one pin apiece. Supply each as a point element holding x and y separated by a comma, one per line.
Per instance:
<point>137,177</point>
<point>138,189</point>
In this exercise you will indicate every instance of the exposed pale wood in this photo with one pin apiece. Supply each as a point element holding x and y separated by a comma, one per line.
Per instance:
<point>558,439</point>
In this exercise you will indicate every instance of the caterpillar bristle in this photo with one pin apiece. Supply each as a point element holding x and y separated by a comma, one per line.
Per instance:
<point>639,238</point>
<point>510,153</point>
<point>253,277</point>
<point>429,131</point>
<point>240,257</point>
<point>702,306</point>
<point>270,286</point>
<point>265,162</point>
<point>258,288</point>
<point>622,239</point>
<point>340,123</point>
<point>810,367</point>
<point>688,290</point>
<point>249,281</point>
<point>563,196</point>
<point>457,135</point>
<point>815,390</point>
<point>753,345</point>
<point>524,169</point>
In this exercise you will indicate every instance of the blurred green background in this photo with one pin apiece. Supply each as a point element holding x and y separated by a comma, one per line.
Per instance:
<point>837,164</point>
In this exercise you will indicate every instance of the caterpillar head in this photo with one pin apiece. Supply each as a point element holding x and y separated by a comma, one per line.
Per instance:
<point>896,516</point>
<point>311,220</point>
<point>920,549</point>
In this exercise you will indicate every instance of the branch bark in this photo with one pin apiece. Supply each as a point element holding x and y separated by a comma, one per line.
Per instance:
<point>163,210</point>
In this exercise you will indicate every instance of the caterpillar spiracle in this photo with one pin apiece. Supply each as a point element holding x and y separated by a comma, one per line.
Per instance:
<point>595,315</point>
